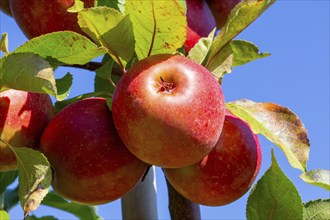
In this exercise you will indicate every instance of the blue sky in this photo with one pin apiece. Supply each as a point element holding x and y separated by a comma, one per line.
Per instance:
<point>296,75</point>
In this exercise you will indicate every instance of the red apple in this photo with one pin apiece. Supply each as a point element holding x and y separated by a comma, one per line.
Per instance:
<point>200,22</point>
<point>90,163</point>
<point>38,17</point>
<point>221,10</point>
<point>23,117</point>
<point>168,110</point>
<point>225,174</point>
<point>4,7</point>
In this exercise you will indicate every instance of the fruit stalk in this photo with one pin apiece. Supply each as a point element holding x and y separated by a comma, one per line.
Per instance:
<point>181,208</point>
<point>141,202</point>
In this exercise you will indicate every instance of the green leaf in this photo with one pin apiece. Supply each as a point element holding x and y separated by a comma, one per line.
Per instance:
<point>64,46</point>
<point>236,53</point>
<point>274,197</point>
<point>111,29</point>
<point>279,125</point>
<point>245,52</point>
<point>34,176</point>
<point>116,4</point>
<point>4,215</point>
<point>62,104</point>
<point>222,64</point>
<point>27,71</point>
<point>11,198</point>
<point>33,217</point>
<point>4,43</point>
<point>240,17</point>
<point>81,211</point>
<point>7,178</point>
<point>63,86</point>
<point>159,26</point>
<point>318,178</point>
<point>199,51</point>
<point>317,210</point>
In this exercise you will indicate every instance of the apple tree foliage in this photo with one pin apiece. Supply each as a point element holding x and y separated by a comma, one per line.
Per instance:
<point>124,32</point>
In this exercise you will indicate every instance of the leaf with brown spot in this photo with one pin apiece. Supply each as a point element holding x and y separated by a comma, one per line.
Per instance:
<point>34,176</point>
<point>317,177</point>
<point>159,26</point>
<point>279,125</point>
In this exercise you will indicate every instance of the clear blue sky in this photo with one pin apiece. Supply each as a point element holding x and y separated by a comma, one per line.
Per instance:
<point>296,33</point>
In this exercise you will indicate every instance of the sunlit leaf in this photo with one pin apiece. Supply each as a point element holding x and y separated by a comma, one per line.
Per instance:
<point>63,86</point>
<point>240,17</point>
<point>27,71</point>
<point>4,215</point>
<point>223,63</point>
<point>111,29</point>
<point>279,125</point>
<point>64,46</point>
<point>81,211</point>
<point>200,50</point>
<point>4,43</point>
<point>318,178</point>
<point>274,197</point>
<point>77,6</point>
<point>159,26</point>
<point>317,210</point>
<point>245,52</point>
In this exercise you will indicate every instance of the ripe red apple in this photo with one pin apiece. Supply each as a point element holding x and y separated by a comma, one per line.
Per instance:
<point>225,174</point>
<point>221,10</point>
<point>23,117</point>
<point>4,7</point>
<point>168,110</point>
<point>200,22</point>
<point>91,164</point>
<point>38,17</point>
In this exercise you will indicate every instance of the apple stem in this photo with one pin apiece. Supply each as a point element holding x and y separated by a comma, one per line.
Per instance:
<point>141,202</point>
<point>181,208</point>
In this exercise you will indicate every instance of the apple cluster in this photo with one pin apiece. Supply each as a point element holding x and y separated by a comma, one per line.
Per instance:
<point>36,19</point>
<point>166,111</point>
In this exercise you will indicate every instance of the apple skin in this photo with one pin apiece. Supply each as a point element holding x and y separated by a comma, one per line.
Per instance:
<point>225,174</point>
<point>221,9</point>
<point>38,17</point>
<point>23,117</point>
<point>4,7</point>
<point>169,123</point>
<point>200,22</point>
<point>90,163</point>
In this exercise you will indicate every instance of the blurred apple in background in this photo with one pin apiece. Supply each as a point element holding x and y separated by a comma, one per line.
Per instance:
<point>225,174</point>
<point>23,118</point>
<point>200,22</point>
<point>90,163</point>
<point>221,9</point>
<point>38,17</point>
<point>4,7</point>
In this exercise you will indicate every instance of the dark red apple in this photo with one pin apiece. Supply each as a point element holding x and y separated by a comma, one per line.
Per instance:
<point>90,163</point>
<point>200,22</point>
<point>38,17</point>
<point>221,10</point>
<point>23,117</point>
<point>168,110</point>
<point>225,174</point>
<point>4,7</point>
